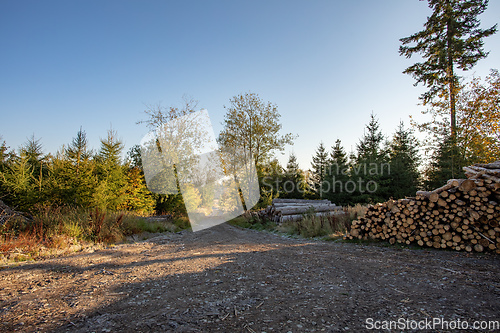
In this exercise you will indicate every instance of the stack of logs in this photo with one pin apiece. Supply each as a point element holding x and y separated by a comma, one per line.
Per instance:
<point>462,215</point>
<point>8,214</point>
<point>283,210</point>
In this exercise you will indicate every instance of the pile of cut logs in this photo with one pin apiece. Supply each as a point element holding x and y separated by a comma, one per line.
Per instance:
<point>283,210</point>
<point>464,214</point>
<point>8,214</point>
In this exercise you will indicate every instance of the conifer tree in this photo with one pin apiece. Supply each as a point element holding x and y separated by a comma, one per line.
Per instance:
<point>446,163</point>
<point>338,175</point>
<point>369,169</point>
<point>110,191</point>
<point>404,161</point>
<point>24,176</point>
<point>3,151</point>
<point>73,179</point>
<point>369,148</point>
<point>18,183</point>
<point>293,181</point>
<point>451,40</point>
<point>134,157</point>
<point>32,150</point>
<point>77,152</point>
<point>320,165</point>
<point>270,176</point>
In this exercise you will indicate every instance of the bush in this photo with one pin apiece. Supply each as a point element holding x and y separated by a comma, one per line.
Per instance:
<point>59,227</point>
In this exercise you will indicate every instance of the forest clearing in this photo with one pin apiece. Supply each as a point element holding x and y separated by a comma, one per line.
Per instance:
<point>350,208</point>
<point>231,279</point>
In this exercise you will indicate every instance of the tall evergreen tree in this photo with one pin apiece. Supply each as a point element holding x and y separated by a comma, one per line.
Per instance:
<point>77,152</point>
<point>110,191</point>
<point>320,163</point>
<point>338,175</point>
<point>3,153</point>
<point>451,40</point>
<point>446,163</point>
<point>293,181</point>
<point>271,180</point>
<point>404,161</point>
<point>73,179</point>
<point>3,150</point>
<point>32,151</point>
<point>134,157</point>
<point>369,148</point>
<point>370,169</point>
<point>18,183</point>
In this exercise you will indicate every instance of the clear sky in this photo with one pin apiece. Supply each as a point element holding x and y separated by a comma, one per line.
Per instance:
<point>97,64</point>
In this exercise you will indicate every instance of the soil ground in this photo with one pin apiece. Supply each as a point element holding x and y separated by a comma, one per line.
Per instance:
<point>226,279</point>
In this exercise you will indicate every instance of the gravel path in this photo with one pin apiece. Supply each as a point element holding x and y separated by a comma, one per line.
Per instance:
<point>234,280</point>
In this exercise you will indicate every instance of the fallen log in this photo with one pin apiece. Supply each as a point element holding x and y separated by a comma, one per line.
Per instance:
<point>306,209</point>
<point>301,201</point>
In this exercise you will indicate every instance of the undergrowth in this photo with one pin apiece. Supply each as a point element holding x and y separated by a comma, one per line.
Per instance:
<point>59,227</point>
<point>329,227</point>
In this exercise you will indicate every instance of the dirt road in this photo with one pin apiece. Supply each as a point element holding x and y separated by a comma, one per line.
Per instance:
<point>232,280</point>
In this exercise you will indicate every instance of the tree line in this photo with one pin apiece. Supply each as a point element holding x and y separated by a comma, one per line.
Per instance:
<point>378,170</point>
<point>75,176</point>
<point>464,128</point>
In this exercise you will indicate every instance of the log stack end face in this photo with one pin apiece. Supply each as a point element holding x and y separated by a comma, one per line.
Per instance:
<point>463,215</point>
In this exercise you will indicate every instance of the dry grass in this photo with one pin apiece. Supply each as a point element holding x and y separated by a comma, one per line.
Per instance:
<point>332,226</point>
<point>61,228</point>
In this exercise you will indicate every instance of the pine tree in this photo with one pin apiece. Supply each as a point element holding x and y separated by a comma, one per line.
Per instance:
<point>3,163</point>
<point>32,150</point>
<point>369,148</point>
<point>337,175</point>
<point>369,170</point>
<point>404,161</point>
<point>445,164</point>
<point>320,165</point>
<point>134,159</point>
<point>293,181</point>
<point>451,40</point>
<point>77,152</point>
<point>23,176</point>
<point>110,193</point>
<point>3,152</point>
<point>73,179</point>
<point>18,183</point>
<point>270,179</point>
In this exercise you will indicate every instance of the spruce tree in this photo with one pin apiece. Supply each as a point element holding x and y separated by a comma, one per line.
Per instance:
<point>134,159</point>
<point>404,161</point>
<point>369,148</point>
<point>446,163</point>
<point>338,175</point>
<point>3,151</point>
<point>73,169</point>
<point>110,193</point>
<point>77,152</point>
<point>293,181</point>
<point>320,163</point>
<point>370,169</point>
<point>271,180</point>
<point>19,188</point>
<point>451,40</point>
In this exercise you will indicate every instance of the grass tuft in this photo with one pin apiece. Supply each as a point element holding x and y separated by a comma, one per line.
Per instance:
<point>59,228</point>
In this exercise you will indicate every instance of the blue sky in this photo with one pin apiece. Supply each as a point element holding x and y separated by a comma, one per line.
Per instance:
<point>97,64</point>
